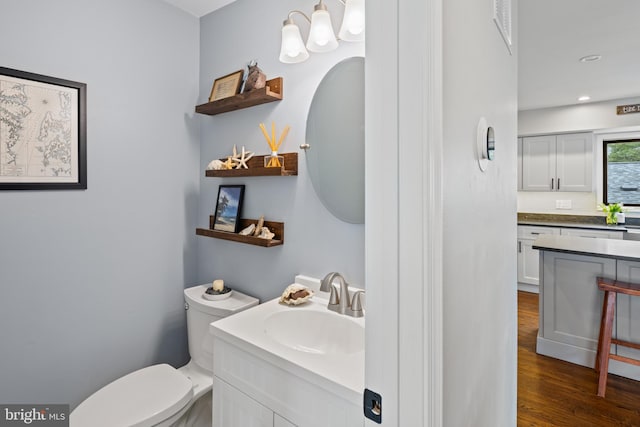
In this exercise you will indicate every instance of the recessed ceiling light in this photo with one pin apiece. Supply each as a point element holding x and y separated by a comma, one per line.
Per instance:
<point>584,98</point>
<point>591,58</point>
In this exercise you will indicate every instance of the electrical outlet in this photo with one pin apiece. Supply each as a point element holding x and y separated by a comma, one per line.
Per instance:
<point>563,204</point>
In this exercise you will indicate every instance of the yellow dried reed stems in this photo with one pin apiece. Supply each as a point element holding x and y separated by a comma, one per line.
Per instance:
<point>274,161</point>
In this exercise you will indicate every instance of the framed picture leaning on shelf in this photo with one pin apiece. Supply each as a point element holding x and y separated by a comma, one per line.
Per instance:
<point>228,208</point>
<point>226,86</point>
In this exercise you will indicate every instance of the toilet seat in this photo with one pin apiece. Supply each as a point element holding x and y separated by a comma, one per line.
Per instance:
<point>140,399</point>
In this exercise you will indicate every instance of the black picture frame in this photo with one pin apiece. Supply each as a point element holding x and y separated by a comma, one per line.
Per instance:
<point>43,132</point>
<point>228,208</point>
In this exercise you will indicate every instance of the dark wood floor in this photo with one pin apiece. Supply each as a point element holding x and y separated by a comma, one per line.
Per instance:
<point>552,392</point>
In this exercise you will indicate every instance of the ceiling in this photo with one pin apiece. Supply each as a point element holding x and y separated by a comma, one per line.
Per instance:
<point>199,8</point>
<point>553,35</point>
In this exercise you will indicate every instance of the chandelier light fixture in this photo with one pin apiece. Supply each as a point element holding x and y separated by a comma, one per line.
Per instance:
<point>321,35</point>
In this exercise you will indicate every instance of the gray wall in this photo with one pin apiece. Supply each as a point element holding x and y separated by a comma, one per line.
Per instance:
<point>91,281</point>
<point>315,241</point>
<point>480,324</point>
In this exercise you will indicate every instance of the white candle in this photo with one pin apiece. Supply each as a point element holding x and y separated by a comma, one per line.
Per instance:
<point>218,285</point>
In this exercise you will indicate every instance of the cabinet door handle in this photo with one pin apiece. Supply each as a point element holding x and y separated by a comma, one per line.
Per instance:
<point>519,247</point>
<point>552,183</point>
<point>535,233</point>
<point>558,184</point>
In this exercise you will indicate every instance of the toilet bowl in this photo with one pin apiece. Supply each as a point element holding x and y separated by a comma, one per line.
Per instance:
<point>161,395</point>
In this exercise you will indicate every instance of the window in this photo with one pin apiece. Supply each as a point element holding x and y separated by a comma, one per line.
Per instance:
<point>621,172</point>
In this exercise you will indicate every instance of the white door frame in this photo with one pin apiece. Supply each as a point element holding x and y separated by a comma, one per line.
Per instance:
<point>403,168</point>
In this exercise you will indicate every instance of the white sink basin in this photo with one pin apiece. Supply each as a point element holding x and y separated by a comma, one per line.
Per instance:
<point>315,331</point>
<point>308,341</point>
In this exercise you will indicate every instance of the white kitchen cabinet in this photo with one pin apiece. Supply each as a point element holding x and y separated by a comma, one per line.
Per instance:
<point>597,234</point>
<point>538,163</point>
<point>529,258</point>
<point>557,162</point>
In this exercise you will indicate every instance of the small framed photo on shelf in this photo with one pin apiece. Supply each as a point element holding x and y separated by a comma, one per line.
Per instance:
<point>226,86</point>
<point>228,208</point>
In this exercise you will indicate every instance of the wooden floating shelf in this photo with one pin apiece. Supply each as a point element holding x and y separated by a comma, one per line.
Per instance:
<point>256,168</point>
<point>270,93</point>
<point>276,227</point>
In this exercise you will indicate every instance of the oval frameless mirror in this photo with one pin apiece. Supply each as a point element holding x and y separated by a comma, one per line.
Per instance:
<point>335,140</point>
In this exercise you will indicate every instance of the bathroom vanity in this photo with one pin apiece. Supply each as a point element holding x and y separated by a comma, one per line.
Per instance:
<point>277,365</point>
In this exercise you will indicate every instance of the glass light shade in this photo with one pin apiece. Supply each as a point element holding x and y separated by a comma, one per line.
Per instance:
<point>321,35</point>
<point>292,49</point>
<point>353,22</point>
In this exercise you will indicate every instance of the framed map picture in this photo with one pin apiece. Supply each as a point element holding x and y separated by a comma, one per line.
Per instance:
<point>43,132</point>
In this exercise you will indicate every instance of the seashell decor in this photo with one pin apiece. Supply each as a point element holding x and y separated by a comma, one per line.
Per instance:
<point>296,294</point>
<point>248,231</point>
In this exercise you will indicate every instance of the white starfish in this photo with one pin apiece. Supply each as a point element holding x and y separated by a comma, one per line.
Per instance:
<point>244,157</point>
<point>235,155</point>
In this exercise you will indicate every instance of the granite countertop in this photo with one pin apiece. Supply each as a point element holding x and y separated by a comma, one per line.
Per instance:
<point>608,248</point>
<point>594,222</point>
<point>573,225</point>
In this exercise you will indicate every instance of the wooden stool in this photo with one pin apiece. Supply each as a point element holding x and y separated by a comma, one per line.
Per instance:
<point>611,288</point>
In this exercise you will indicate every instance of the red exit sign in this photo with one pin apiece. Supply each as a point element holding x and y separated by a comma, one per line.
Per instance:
<point>628,109</point>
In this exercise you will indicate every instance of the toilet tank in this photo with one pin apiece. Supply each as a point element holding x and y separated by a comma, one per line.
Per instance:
<point>202,312</point>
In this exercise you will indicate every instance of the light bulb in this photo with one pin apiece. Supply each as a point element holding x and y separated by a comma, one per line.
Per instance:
<point>356,23</point>
<point>353,22</point>
<point>321,35</point>
<point>292,49</point>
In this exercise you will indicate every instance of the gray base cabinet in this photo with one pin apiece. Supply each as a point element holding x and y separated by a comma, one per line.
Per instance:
<point>571,305</point>
<point>529,258</point>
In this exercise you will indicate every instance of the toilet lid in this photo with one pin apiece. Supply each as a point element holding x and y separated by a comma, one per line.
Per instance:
<point>140,399</point>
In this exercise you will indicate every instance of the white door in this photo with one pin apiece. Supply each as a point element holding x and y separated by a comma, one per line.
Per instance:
<point>403,206</point>
<point>539,163</point>
<point>574,162</point>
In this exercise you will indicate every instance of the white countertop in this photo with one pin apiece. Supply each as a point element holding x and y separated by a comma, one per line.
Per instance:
<point>608,248</point>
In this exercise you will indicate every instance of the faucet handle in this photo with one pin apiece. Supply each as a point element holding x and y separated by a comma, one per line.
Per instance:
<point>356,304</point>
<point>333,296</point>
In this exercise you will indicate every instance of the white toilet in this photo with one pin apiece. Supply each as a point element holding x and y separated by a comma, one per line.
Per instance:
<point>161,395</point>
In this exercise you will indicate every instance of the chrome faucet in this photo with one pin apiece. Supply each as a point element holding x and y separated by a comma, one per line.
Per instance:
<point>343,303</point>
